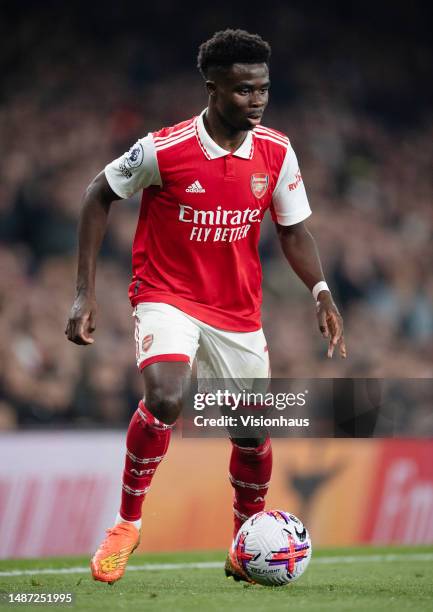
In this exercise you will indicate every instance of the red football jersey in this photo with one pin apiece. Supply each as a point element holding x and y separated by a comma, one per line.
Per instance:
<point>196,244</point>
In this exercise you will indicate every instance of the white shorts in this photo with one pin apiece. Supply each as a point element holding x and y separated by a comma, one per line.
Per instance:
<point>165,333</point>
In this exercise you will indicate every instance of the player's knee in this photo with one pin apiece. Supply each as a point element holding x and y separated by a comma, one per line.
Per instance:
<point>165,405</point>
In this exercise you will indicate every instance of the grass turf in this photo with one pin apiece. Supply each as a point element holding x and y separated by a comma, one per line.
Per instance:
<point>342,585</point>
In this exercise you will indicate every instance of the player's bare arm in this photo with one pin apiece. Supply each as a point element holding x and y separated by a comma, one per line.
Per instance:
<point>92,226</point>
<point>301,252</point>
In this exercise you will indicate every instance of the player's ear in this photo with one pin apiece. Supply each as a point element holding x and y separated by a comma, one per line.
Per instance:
<point>211,87</point>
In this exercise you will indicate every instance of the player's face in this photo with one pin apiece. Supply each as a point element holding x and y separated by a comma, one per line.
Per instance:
<point>240,94</point>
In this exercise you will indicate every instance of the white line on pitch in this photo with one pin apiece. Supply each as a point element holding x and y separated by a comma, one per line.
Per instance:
<point>219,564</point>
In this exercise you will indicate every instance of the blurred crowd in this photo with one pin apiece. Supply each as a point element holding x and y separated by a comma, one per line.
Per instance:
<point>368,174</point>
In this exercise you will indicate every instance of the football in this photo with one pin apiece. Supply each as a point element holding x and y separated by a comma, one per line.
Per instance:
<point>273,548</point>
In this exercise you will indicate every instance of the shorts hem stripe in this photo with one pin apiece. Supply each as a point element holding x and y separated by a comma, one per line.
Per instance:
<point>160,358</point>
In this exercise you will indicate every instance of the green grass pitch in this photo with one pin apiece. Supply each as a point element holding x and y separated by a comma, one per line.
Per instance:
<point>358,579</point>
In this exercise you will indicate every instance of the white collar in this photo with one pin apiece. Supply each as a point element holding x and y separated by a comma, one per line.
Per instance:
<point>212,150</point>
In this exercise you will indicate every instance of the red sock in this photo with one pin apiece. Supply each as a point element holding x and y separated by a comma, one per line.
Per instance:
<point>147,441</point>
<point>250,473</point>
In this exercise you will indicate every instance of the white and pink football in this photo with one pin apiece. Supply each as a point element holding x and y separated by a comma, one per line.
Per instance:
<point>273,547</point>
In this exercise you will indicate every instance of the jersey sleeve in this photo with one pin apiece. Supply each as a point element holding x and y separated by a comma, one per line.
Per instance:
<point>289,199</point>
<point>134,170</point>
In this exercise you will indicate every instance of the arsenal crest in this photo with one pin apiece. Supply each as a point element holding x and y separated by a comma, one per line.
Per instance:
<point>259,184</point>
<point>147,342</point>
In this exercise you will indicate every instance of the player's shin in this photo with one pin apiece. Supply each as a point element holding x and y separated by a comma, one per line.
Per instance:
<point>250,474</point>
<point>147,441</point>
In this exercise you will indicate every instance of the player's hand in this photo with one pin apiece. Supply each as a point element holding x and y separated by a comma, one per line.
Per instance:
<point>82,320</point>
<point>330,323</point>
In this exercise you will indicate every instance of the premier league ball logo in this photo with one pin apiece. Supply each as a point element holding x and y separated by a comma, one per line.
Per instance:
<point>259,184</point>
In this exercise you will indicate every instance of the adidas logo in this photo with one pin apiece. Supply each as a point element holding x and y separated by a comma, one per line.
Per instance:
<point>195,188</point>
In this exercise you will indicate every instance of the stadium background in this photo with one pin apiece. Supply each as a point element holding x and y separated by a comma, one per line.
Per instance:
<point>352,87</point>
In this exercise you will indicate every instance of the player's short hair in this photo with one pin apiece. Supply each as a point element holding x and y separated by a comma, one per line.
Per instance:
<point>229,47</point>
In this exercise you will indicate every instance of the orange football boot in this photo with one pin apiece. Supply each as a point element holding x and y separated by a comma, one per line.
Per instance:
<point>233,570</point>
<point>109,561</point>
